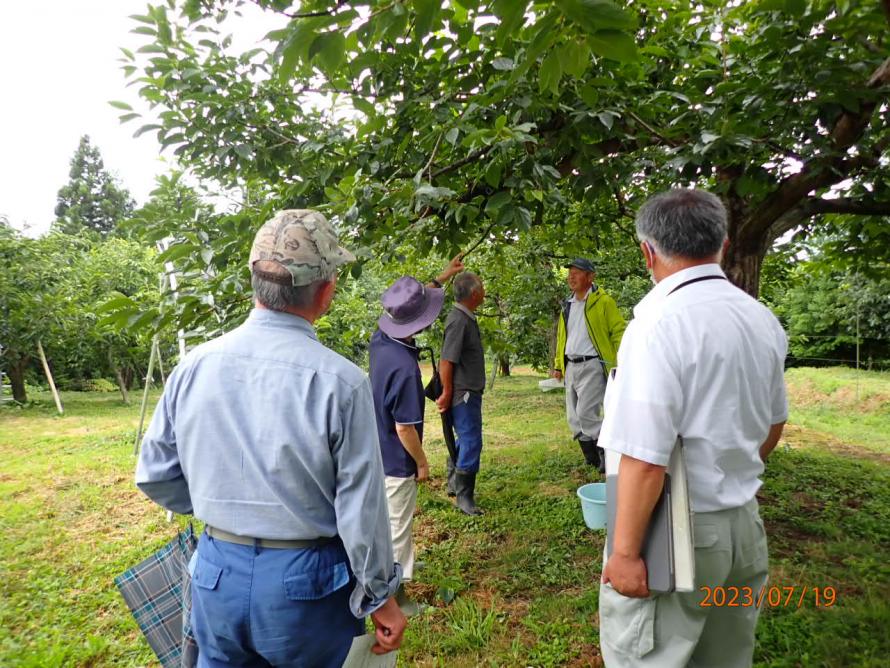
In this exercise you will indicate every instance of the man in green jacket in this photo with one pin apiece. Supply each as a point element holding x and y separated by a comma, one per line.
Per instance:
<point>587,340</point>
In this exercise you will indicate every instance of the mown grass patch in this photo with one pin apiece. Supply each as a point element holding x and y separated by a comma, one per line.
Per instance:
<point>848,407</point>
<point>516,587</point>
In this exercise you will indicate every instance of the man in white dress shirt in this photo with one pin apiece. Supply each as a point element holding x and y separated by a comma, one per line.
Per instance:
<point>705,361</point>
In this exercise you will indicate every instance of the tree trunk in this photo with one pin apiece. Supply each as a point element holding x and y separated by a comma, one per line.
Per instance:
<point>743,269</point>
<point>744,257</point>
<point>129,377</point>
<point>17,368</point>
<point>122,384</point>
<point>551,341</point>
<point>504,364</point>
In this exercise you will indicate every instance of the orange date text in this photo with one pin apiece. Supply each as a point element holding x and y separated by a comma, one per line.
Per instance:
<point>773,596</point>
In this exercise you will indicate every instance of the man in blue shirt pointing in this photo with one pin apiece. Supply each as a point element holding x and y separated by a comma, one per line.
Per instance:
<point>267,436</point>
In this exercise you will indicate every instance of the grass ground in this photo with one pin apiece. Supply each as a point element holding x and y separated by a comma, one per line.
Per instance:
<point>517,587</point>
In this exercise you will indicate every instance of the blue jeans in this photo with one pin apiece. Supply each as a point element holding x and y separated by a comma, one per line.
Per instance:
<point>467,417</point>
<point>254,606</point>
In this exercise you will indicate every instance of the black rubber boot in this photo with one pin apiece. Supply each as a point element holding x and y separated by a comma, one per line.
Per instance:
<point>591,452</point>
<point>449,466</point>
<point>465,483</point>
<point>601,453</point>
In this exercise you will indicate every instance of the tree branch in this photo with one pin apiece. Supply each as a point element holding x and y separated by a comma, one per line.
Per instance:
<point>849,127</point>
<point>816,206</point>
<point>478,241</point>
<point>819,172</point>
<point>669,142</point>
<point>463,161</point>
<point>307,15</point>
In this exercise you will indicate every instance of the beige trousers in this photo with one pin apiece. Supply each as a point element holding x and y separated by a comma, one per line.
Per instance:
<point>401,499</point>
<point>675,630</point>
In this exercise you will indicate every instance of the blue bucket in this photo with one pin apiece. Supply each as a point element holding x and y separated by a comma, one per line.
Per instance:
<point>593,504</point>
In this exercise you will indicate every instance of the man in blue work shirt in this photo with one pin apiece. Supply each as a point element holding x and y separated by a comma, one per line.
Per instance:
<point>263,433</point>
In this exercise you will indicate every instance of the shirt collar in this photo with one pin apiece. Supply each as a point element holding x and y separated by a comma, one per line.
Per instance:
<point>268,318</point>
<point>393,339</point>
<point>575,299</point>
<point>463,308</point>
<point>664,287</point>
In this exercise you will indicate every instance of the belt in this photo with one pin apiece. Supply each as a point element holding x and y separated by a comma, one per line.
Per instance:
<point>582,358</point>
<point>219,534</point>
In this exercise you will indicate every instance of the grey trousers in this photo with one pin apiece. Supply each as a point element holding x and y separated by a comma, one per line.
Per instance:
<point>585,387</point>
<point>681,629</point>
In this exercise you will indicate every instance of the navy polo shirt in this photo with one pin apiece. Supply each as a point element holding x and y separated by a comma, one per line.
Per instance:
<point>398,398</point>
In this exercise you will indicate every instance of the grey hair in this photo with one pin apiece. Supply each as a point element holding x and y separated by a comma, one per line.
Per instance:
<point>464,285</point>
<point>683,223</point>
<point>278,296</point>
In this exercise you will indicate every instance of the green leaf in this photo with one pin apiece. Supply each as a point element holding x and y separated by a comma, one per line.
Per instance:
<point>606,119</point>
<point>596,15</point>
<point>427,17</point>
<point>796,7</point>
<point>493,174</point>
<point>147,128</point>
<point>176,252</point>
<point>144,30</point>
<point>574,58</point>
<point>613,44</point>
<point>296,49</point>
<point>363,106</point>
<point>502,64</point>
<point>128,117</point>
<point>512,14</point>
<point>550,74</point>
<point>330,47</point>
<point>244,150</point>
<point>497,201</point>
<point>120,105</point>
<point>590,95</point>
<point>116,304</point>
<point>451,136</point>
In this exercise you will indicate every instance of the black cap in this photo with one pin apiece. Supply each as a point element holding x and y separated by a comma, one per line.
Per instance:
<point>582,263</point>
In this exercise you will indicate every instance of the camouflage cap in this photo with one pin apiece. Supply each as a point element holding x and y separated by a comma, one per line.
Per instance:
<point>302,241</point>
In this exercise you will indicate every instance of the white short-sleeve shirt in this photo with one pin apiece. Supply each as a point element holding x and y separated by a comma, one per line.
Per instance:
<point>705,362</point>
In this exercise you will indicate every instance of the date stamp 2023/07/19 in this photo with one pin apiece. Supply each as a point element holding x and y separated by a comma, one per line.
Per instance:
<point>773,596</point>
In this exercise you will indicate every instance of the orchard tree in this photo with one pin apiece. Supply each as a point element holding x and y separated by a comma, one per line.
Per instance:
<point>434,122</point>
<point>33,289</point>
<point>91,200</point>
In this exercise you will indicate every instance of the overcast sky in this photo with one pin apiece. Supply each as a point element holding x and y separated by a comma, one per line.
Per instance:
<point>58,70</point>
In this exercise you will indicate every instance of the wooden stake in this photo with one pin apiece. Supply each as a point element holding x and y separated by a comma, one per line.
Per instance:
<point>157,347</point>
<point>49,377</point>
<point>151,365</point>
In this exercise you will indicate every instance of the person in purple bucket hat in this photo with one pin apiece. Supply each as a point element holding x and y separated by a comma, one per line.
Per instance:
<point>409,307</point>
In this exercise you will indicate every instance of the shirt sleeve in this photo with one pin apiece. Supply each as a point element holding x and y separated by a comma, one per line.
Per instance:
<point>453,342</point>
<point>644,402</point>
<point>403,398</point>
<point>615,323</point>
<point>159,473</point>
<point>778,395</point>
<point>360,505</point>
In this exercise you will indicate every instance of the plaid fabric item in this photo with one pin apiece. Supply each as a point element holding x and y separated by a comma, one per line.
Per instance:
<point>158,593</point>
